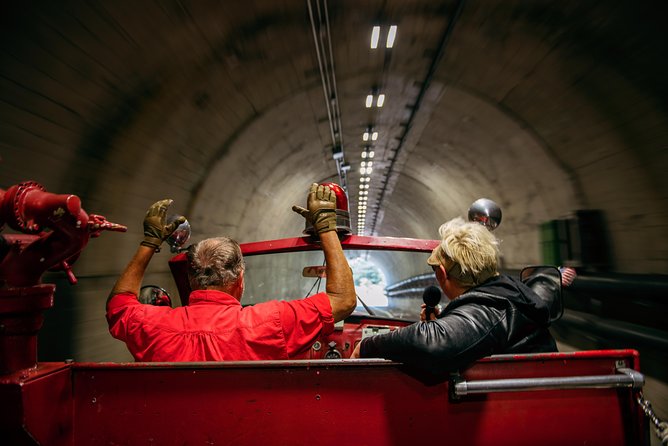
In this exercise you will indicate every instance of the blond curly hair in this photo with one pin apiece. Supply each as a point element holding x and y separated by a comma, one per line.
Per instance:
<point>468,251</point>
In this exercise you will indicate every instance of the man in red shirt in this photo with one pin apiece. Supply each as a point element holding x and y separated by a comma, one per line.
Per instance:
<point>214,326</point>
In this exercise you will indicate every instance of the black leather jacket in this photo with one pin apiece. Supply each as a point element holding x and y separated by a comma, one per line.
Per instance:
<point>502,315</point>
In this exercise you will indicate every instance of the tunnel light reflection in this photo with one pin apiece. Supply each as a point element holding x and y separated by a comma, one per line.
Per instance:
<point>370,282</point>
<point>380,101</point>
<point>369,100</point>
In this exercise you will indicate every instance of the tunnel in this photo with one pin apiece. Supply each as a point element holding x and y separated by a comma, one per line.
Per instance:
<point>557,111</point>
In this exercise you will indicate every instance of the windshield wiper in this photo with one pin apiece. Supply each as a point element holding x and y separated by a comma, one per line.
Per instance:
<point>366,307</point>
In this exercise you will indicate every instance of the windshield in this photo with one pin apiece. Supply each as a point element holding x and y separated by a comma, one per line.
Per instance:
<point>390,283</point>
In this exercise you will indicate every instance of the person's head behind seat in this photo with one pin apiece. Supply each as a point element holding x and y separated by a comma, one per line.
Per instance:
<point>468,251</point>
<point>215,263</point>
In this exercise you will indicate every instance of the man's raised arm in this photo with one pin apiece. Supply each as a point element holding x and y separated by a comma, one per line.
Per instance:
<point>321,213</point>
<point>155,232</point>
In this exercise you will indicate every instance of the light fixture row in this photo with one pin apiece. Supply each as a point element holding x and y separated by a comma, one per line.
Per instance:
<point>362,203</point>
<point>366,165</point>
<point>363,194</point>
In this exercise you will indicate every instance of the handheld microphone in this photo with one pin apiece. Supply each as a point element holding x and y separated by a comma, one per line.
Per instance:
<point>431,297</point>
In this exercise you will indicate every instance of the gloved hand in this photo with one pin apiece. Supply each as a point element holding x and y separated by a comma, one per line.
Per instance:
<point>155,230</point>
<point>321,212</point>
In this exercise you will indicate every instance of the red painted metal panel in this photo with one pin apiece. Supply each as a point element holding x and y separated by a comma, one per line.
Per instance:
<point>348,242</point>
<point>21,317</point>
<point>37,406</point>
<point>179,268</point>
<point>356,402</point>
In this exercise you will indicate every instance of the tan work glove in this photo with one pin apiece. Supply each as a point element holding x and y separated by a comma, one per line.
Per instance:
<point>321,212</point>
<point>155,230</point>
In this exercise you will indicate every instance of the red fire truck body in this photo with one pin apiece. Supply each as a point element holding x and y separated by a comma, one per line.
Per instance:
<point>586,398</point>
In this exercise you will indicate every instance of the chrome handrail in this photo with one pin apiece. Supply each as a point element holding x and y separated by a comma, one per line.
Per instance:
<point>624,378</point>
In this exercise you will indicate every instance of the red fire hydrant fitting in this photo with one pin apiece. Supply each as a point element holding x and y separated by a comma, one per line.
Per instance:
<point>55,230</point>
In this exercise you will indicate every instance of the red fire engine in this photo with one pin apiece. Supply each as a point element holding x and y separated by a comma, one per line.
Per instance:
<point>589,397</point>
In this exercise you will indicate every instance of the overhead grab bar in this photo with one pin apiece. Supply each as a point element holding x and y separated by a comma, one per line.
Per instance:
<point>625,378</point>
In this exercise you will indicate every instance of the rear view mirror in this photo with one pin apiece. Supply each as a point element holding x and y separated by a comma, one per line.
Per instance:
<point>546,282</point>
<point>314,271</point>
<point>154,295</point>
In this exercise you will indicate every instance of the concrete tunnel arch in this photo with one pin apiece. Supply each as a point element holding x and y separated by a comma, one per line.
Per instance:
<point>498,161</point>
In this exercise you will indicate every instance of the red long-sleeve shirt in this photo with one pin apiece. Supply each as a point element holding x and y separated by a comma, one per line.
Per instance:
<point>215,327</point>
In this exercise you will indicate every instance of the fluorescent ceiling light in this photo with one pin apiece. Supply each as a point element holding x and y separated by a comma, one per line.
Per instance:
<point>369,100</point>
<point>379,102</point>
<point>365,137</point>
<point>374,136</point>
<point>390,36</point>
<point>375,34</point>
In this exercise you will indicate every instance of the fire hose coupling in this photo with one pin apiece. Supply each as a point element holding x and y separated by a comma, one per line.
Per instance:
<point>61,231</point>
<point>13,206</point>
<point>29,208</point>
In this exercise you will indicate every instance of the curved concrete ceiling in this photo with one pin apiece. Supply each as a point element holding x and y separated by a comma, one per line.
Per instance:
<point>544,107</point>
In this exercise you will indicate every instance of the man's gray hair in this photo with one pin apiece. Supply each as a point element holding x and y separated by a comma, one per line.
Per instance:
<point>214,262</point>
